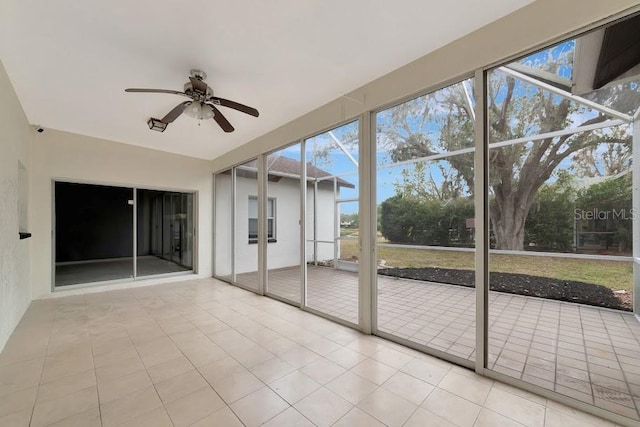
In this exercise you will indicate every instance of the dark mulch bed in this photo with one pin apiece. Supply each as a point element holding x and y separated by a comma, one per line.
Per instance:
<point>521,284</point>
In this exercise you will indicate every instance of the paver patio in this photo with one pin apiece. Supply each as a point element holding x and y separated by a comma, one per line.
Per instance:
<point>587,353</point>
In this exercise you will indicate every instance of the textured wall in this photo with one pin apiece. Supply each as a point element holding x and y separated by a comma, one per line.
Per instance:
<point>15,132</point>
<point>76,158</point>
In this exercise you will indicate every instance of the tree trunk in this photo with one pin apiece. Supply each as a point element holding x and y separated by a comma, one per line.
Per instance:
<point>508,218</point>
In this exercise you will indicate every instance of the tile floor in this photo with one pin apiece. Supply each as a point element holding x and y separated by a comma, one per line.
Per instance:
<point>589,354</point>
<point>205,353</point>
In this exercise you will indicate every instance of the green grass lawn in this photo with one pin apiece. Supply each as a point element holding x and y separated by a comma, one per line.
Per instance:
<point>612,274</point>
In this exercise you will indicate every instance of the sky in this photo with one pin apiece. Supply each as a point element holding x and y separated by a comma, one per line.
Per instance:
<point>338,163</point>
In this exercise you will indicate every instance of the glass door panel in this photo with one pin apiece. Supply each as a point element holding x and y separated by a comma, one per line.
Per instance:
<point>332,179</point>
<point>246,225</point>
<point>425,239</point>
<point>223,226</point>
<point>561,226</point>
<point>165,232</point>
<point>94,233</point>
<point>284,170</point>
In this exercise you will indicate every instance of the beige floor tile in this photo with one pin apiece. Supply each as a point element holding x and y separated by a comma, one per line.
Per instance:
<point>119,369</point>
<point>323,407</point>
<point>422,417</point>
<point>221,418</point>
<point>19,376</point>
<point>66,385</point>
<point>408,387</point>
<point>515,407</point>
<point>393,358</point>
<point>90,418</point>
<point>289,418</point>
<point>294,386</point>
<point>387,407</point>
<point>352,387</point>
<point>18,401</point>
<point>16,419</point>
<point>427,370</point>
<point>194,407</point>
<point>203,355</point>
<point>114,356</point>
<point>113,389</point>
<point>346,357</point>
<point>322,346</point>
<point>373,371</point>
<point>169,369</point>
<point>322,370</point>
<point>50,411</point>
<point>476,389</point>
<point>271,370</point>
<point>356,417</point>
<point>259,407</point>
<point>575,414</point>
<point>237,385</point>
<point>488,418</point>
<point>155,418</point>
<point>299,357</point>
<point>129,406</point>
<point>158,351</point>
<point>216,371</point>
<point>180,386</point>
<point>455,409</point>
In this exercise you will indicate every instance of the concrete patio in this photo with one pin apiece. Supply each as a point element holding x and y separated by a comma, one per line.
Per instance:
<point>587,353</point>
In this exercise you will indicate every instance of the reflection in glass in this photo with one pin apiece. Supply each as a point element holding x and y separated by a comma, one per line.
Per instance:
<point>165,232</point>
<point>94,233</point>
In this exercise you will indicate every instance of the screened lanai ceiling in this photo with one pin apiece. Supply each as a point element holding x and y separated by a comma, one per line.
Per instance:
<point>69,61</point>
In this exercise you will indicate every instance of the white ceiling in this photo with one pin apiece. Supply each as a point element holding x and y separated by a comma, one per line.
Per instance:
<point>69,60</point>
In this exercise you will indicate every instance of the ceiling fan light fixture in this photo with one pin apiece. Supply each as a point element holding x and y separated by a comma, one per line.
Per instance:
<point>206,112</point>
<point>199,111</point>
<point>194,109</point>
<point>157,125</point>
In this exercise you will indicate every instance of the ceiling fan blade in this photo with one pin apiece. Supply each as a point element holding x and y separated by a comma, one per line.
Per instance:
<point>222,120</point>
<point>235,105</point>
<point>198,85</point>
<point>175,113</point>
<point>174,92</point>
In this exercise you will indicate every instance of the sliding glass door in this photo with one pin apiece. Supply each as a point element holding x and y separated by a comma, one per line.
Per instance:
<point>246,225</point>
<point>165,232</point>
<point>425,206</point>
<point>283,224</point>
<point>94,233</point>
<point>332,222</point>
<point>106,233</point>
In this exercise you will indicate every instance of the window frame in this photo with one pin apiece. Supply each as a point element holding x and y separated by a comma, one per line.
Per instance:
<point>270,238</point>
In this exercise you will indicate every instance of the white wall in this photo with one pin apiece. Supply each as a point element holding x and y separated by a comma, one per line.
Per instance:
<point>68,156</point>
<point>15,133</point>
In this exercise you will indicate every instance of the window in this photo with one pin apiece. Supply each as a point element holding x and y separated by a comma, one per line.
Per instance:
<point>253,219</point>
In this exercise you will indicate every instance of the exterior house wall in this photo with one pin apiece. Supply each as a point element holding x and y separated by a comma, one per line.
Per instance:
<point>72,157</point>
<point>15,133</point>
<point>285,251</point>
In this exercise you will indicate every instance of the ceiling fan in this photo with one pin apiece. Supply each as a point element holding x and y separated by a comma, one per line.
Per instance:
<point>202,105</point>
